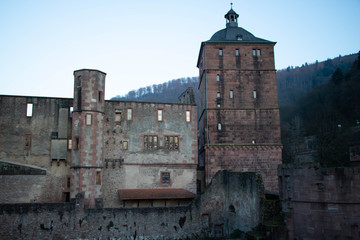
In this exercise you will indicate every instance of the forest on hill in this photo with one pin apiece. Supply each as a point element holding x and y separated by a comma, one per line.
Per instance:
<point>292,82</point>
<point>330,113</point>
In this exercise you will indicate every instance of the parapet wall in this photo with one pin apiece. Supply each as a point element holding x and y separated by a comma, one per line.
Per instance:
<point>320,203</point>
<point>231,202</point>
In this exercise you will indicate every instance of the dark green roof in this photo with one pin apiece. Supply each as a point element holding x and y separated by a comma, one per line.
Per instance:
<point>235,34</point>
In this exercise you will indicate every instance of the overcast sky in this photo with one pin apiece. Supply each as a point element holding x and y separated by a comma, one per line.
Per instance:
<point>141,43</point>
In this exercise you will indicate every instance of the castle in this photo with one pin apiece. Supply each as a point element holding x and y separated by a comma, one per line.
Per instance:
<point>147,154</point>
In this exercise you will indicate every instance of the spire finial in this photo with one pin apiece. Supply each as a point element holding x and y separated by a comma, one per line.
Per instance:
<point>231,4</point>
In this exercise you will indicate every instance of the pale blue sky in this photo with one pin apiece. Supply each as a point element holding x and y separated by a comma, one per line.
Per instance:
<point>140,43</point>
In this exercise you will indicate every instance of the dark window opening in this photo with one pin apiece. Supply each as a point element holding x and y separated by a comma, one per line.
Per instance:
<point>165,178</point>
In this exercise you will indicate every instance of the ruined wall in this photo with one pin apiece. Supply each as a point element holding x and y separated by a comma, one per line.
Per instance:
<point>231,202</point>
<point>320,203</point>
<point>130,164</point>
<point>35,139</point>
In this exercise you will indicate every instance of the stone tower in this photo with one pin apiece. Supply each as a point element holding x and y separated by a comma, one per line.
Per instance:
<point>87,155</point>
<point>239,121</point>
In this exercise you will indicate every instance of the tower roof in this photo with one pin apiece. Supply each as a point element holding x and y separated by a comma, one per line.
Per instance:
<point>233,33</point>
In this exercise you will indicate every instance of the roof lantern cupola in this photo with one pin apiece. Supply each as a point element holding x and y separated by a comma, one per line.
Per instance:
<point>231,18</point>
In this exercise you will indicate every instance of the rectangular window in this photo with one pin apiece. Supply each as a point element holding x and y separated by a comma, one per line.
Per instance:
<point>29,110</point>
<point>27,141</point>
<point>76,143</point>
<point>219,126</point>
<point>165,178</point>
<point>98,177</point>
<point>160,115</point>
<point>69,144</point>
<point>125,145</point>
<point>129,116</point>
<point>218,78</point>
<point>220,52</point>
<point>231,94</point>
<point>254,94</point>
<point>117,116</point>
<point>150,142</point>
<point>188,116</point>
<point>88,119</point>
<point>236,52</point>
<point>218,95</point>
<point>254,52</point>
<point>71,111</point>
<point>258,52</point>
<point>171,143</point>
<point>100,96</point>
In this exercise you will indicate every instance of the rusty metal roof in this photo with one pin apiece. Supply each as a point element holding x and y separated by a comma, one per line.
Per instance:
<point>161,193</point>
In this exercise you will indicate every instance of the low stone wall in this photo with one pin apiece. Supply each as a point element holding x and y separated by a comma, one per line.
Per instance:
<point>320,203</point>
<point>231,202</point>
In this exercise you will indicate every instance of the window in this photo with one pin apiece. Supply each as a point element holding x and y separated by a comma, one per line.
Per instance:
<point>218,95</point>
<point>231,94</point>
<point>150,142</point>
<point>254,94</point>
<point>27,141</point>
<point>160,115</point>
<point>125,145</point>
<point>239,37</point>
<point>253,141</point>
<point>219,126</point>
<point>29,110</point>
<point>165,178</point>
<point>256,52</point>
<point>220,52</point>
<point>218,78</point>
<point>69,144</point>
<point>117,116</point>
<point>236,52</point>
<point>98,177</point>
<point>88,119</point>
<point>71,111</point>
<point>100,96</point>
<point>129,116</point>
<point>76,143</point>
<point>218,105</point>
<point>171,143</point>
<point>187,116</point>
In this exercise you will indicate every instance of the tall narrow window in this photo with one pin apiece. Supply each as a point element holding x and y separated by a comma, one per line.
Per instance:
<point>188,116</point>
<point>254,52</point>
<point>129,116</point>
<point>29,110</point>
<point>125,145</point>
<point>100,96</point>
<point>27,141</point>
<point>254,94</point>
<point>231,94</point>
<point>165,178</point>
<point>69,144</point>
<point>117,116</point>
<point>71,111</point>
<point>88,119</point>
<point>220,52</point>
<point>98,177</point>
<point>76,143</point>
<point>258,52</point>
<point>218,78</point>
<point>236,52</point>
<point>219,126</point>
<point>218,95</point>
<point>160,115</point>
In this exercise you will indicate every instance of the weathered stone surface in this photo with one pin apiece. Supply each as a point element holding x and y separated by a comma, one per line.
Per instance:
<point>320,203</point>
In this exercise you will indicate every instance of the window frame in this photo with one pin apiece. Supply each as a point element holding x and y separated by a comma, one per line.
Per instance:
<point>129,117</point>
<point>150,145</point>
<point>168,182</point>
<point>160,115</point>
<point>29,109</point>
<point>218,77</point>
<point>219,126</point>
<point>171,143</point>
<point>237,52</point>
<point>88,119</point>
<point>187,116</point>
<point>221,53</point>
<point>125,145</point>
<point>231,94</point>
<point>27,138</point>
